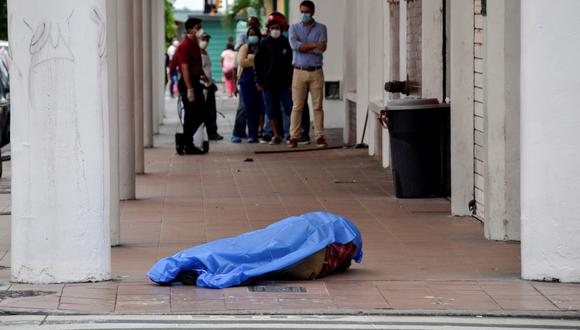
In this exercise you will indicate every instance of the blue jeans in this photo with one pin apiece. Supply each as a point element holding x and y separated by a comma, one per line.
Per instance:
<point>278,104</point>
<point>254,105</point>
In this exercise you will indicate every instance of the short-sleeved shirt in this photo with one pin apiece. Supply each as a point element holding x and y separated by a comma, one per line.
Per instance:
<point>189,52</point>
<point>299,34</point>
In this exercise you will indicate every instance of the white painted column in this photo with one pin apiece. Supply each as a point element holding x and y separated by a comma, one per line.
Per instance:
<point>147,74</point>
<point>158,25</point>
<point>461,57</point>
<point>125,38</point>
<point>502,102</point>
<point>403,41</point>
<point>138,85</point>
<point>432,49</point>
<point>60,150</point>
<point>362,67</point>
<point>113,83</point>
<point>550,140</point>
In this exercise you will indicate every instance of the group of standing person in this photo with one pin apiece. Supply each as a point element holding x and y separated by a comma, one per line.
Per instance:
<point>275,71</point>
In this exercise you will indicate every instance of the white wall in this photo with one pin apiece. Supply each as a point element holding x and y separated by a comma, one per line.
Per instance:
<point>60,146</point>
<point>331,13</point>
<point>461,57</point>
<point>502,115</point>
<point>550,140</point>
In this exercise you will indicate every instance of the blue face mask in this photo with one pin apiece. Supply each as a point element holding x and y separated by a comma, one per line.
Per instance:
<point>252,40</point>
<point>285,33</point>
<point>306,17</point>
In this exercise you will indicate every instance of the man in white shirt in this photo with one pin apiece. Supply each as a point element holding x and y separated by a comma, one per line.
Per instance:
<point>211,88</point>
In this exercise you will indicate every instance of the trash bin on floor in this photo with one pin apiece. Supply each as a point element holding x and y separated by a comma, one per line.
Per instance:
<point>419,130</point>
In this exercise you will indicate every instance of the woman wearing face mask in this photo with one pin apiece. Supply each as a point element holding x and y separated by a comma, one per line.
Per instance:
<point>251,97</point>
<point>273,65</point>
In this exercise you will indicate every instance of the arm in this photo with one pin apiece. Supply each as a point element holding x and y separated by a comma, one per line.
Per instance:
<point>304,47</point>
<point>259,65</point>
<point>186,76</point>
<point>244,60</point>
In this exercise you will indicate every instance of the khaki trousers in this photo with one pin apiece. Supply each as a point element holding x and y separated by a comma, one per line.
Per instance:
<point>302,82</point>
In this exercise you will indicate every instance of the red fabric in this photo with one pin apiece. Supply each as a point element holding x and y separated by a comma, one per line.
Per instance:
<point>189,52</point>
<point>336,254</point>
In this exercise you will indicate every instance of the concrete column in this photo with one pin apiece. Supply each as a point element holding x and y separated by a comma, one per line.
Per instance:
<point>502,102</point>
<point>113,81</point>
<point>461,55</point>
<point>138,84</point>
<point>125,39</point>
<point>147,74</point>
<point>550,140</point>
<point>60,147</point>
<point>158,57</point>
<point>432,49</point>
<point>362,67</point>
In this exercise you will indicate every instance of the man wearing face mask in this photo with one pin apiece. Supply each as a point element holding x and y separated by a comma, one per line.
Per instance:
<point>211,88</point>
<point>273,65</point>
<point>308,40</point>
<point>190,85</point>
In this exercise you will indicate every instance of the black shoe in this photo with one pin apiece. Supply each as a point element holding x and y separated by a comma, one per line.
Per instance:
<point>215,137</point>
<point>179,145</point>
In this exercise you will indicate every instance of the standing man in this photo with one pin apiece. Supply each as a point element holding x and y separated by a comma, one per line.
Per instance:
<point>191,85</point>
<point>308,40</point>
<point>273,64</point>
<point>211,88</point>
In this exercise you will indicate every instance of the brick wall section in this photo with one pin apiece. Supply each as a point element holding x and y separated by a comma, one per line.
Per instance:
<point>414,49</point>
<point>478,110</point>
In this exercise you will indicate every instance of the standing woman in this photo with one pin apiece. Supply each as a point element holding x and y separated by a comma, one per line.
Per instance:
<point>229,69</point>
<point>251,97</point>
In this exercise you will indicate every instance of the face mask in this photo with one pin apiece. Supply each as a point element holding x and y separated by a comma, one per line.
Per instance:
<point>252,40</point>
<point>275,34</point>
<point>285,33</point>
<point>199,33</point>
<point>203,44</point>
<point>306,17</point>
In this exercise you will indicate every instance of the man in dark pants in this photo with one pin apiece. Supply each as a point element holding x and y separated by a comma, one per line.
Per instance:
<point>191,85</point>
<point>211,88</point>
<point>273,65</point>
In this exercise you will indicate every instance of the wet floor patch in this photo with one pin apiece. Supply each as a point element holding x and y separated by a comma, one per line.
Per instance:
<point>23,294</point>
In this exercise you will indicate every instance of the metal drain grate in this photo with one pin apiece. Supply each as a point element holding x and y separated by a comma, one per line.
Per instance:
<point>23,294</point>
<point>283,289</point>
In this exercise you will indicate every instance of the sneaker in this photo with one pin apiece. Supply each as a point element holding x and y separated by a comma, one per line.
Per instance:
<point>253,140</point>
<point>275,140</point>
<point>265,139</point>
<point>236,139</point>
<point>216,137</point>
<point>304,140</point>
<point>293,143</point>
<point>321,143</point>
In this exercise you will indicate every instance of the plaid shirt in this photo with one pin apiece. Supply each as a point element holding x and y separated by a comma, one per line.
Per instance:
<point>336,254</point>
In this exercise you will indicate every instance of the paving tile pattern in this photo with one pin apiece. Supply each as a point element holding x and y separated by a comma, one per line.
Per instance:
<point>417,257</point>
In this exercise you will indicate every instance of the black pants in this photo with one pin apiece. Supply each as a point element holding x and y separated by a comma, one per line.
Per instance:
<point>211,122</point>
<point>195,112</point>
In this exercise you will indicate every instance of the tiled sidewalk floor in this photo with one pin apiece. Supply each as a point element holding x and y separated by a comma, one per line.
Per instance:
<point>417,257</point>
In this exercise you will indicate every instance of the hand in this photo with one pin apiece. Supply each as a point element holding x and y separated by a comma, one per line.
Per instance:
<point>190,95</point>
<point>259,87</point>
<point>251,56</point>
<point>236,92</point>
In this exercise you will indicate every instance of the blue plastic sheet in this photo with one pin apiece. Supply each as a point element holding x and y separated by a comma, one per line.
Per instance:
<point>233,261</point>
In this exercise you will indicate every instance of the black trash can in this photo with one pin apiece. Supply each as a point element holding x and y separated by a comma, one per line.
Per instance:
<point>419,131</point>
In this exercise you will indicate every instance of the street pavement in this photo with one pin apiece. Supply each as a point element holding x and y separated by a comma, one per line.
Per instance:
<point>418,259</point>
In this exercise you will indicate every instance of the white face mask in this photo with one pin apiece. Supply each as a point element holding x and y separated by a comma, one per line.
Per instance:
<point>275,34</point>
<point>199,33</point>
<point>203,44</point>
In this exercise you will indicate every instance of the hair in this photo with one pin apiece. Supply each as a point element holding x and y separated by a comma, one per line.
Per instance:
<point>192,22</point>
<point>255,19</point>
<point>308,4</point>
<point>256,30</point>
<point>230,46</point>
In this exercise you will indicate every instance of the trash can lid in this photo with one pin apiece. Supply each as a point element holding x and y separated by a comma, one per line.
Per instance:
<point>415,104</point>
